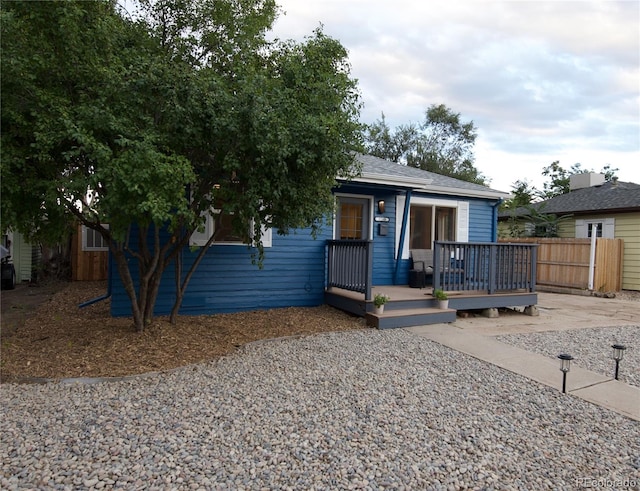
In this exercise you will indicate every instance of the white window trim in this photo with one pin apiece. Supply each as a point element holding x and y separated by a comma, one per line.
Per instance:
<point>86,248</point>
<point>462,218</point>
<point>200,239</point>
<point>608,227</point>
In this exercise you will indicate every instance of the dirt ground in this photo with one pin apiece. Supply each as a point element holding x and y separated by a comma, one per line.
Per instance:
<point>45,335</point>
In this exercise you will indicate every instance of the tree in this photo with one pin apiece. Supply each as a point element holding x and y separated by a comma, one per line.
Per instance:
<point>523,193</point>
<point>148,122</point>
<point>559,178</point>
<point>442,143</point>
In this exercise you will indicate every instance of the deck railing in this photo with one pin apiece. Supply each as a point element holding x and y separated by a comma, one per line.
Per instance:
<point>350,265</point>
<point>491,267</point>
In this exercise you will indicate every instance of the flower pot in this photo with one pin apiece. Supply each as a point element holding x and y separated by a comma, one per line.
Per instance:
<point>443,304</point>
<point>378,310</point>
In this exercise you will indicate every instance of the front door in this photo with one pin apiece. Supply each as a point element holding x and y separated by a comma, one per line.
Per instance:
<point>352,220</point>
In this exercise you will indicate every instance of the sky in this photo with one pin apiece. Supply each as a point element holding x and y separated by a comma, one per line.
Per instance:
<point>542,81</point>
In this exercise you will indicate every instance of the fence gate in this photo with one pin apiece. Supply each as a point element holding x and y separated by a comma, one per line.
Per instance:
<point>565,262</point>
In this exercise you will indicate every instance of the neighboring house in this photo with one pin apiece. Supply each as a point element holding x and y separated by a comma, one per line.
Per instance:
<point>390,208</point>
<point>23,254</point>
<point>594,206</point>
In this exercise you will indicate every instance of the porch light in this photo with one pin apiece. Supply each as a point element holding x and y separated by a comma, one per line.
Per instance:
<point>565,366</point>
<point>381,206</point>
<point>618,354</point>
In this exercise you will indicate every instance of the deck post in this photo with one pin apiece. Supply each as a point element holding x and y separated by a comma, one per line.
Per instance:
<point>369,274</point>
<point>493,265</point>
<point>403,233</point>
<point>437,267</point>
<point>534,271</point>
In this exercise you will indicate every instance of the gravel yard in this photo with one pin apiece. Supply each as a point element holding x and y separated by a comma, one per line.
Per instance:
<point>591,348</point>
<point>361,409</point>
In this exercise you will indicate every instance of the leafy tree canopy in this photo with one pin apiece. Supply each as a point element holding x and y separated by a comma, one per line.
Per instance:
<point>442,143</point>
<point>557,183</point>
<point>558,178</point>
<point>524,195</point>
<point>147,120</point>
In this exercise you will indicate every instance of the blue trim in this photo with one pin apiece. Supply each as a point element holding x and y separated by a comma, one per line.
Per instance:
<point>402,236</point>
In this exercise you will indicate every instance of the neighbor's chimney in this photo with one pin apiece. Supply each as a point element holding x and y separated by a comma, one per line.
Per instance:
<point>586,180</point>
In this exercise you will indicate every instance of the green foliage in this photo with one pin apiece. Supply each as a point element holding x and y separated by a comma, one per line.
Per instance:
<point>522,194</point>
<point>535,222</point>
<point>380,299</point>
<point>439,294</point>
<point>152,119</point>
<point>442,143</point>
<point>558,179</point>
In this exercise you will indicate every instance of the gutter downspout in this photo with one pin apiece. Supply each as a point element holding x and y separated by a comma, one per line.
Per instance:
<point>109,288</point>
<point>494,223</point>
<point>405,218</point>
<point>592,257</point>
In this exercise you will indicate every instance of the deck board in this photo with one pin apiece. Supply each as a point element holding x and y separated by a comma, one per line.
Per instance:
<point>417,305</point>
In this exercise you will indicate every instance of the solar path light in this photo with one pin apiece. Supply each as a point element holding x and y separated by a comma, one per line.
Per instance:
<point>565,366</point>
<point>618,354</point>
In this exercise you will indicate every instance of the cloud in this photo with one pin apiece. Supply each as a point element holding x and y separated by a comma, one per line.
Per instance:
<point>538,78</point>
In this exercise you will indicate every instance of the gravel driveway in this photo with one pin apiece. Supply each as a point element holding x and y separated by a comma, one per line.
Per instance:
<point>356,410</point>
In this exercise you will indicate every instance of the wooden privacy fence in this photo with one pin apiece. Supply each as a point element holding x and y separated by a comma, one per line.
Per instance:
<point>87,265</point>
<point>565,262</point>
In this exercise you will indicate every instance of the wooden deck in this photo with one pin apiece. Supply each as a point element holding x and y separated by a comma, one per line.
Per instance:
<point>416,306</point>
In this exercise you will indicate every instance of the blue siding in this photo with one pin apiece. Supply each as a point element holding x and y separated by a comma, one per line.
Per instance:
<point>480,220</point>
<point>293,272</point>
<point>384,246</point>
<point>226,281</point>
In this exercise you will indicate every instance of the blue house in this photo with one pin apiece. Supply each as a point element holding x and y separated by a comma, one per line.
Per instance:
<point>381,217</point>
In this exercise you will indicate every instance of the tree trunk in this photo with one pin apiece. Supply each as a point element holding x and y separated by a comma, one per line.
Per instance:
<point>127,281</point>
<point>173,317</point>
<point>181,287</point>
<point>150,267</point>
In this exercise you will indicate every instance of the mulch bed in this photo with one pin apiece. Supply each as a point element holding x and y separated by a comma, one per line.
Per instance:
<point>60,340</point>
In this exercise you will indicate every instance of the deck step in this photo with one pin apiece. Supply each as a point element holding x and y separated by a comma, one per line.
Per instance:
<point>390,319</point>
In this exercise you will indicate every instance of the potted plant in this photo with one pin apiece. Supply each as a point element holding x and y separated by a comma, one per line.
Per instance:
<point>378,302</point>
<point>442,298</point>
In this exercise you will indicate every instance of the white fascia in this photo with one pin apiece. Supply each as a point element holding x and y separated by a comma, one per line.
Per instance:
<point>468,193</point>
<point>413,183</point>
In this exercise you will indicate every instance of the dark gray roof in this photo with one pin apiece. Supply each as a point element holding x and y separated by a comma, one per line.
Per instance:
<point>382,167</point>
<point>607,198</point>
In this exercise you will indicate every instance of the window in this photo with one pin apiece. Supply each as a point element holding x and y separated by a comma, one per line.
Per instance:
<point>423,229</point>
<point>92,240</point>
<point>351,216</point>
<point>352,219</point>
<point>420,233</point>
<point>223,228</point>
<point>431,219</point>
<point>591,227</point>
<point>222,223</point>
<point>604,228</point>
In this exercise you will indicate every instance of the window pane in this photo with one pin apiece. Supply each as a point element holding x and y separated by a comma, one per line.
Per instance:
<point>224,229</point>
<point>420,233</point>
<point>351,221</point>
<point>445,224</point>
<point>598,229</point>
<point>90,238</point>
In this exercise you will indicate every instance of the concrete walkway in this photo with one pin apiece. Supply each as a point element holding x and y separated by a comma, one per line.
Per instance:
<point>475,336</point>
